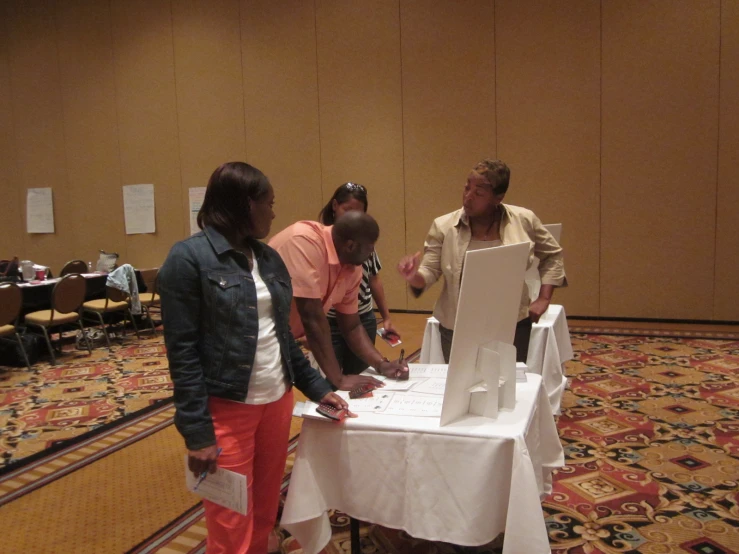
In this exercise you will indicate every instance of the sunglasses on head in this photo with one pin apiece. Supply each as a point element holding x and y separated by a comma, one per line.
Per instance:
<point>354,187</point>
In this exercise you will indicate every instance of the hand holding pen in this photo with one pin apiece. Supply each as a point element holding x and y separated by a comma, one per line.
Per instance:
<point>211,469</point>
<point>393,370</point>
<point>203,460</point>
<point>404,366</point>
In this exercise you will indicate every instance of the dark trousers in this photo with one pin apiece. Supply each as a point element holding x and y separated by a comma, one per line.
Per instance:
<point>349,363</point>
<point>520,340</point>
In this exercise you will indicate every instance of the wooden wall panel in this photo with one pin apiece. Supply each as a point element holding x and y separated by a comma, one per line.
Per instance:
<point>146,103</point>
<point>38,126</point>
<point>548,120</point>
<point>401,96</point>
<point>448,59</point>
<point>95,207</point>
<point>210,100</point>
<point>360,106</point>
<point>659,152</point>
<point>726,297</point>
<point>11,224</point>
<point>281,103</point>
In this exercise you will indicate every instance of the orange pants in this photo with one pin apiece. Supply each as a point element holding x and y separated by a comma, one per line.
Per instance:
<point>253,439</point>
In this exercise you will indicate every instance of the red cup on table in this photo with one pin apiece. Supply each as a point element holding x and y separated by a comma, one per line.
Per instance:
<point>40,274</point>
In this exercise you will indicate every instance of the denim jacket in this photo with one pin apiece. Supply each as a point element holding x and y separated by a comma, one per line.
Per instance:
<point>209,311</point>
<point>124,278</point>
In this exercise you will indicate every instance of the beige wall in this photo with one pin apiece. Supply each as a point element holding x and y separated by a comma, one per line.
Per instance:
<point>660,101</point>
<point>548,106</point>
<point>619,120</point>
<point>726,293</point>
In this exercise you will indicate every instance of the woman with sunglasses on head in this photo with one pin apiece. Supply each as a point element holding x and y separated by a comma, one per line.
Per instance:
<point>233,361</point>
<point>353,197</point>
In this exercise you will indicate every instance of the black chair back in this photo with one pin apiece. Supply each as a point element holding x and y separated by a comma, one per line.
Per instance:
<point>115,295</point>
<point>75,266</point>
<point>9,268</point>
<point>69,293</point>
<point>11,299</point>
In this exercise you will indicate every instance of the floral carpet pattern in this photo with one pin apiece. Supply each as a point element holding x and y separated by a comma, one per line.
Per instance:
<point>650,428</point>
<point>49,405</point>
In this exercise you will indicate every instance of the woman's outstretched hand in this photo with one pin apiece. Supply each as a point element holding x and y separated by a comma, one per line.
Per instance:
<point>408,266</point>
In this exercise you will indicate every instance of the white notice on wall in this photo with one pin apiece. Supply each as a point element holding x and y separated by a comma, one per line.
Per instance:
<point>197,194</point>
<point>39,211</point>
<point>138,209</point>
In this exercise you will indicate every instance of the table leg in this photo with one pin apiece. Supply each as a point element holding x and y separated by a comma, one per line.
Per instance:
<point>354,534</point>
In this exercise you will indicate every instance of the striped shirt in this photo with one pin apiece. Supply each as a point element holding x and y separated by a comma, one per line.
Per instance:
<point>370,267</point>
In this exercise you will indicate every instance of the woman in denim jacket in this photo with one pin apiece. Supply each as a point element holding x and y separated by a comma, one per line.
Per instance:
<point>225,304</point>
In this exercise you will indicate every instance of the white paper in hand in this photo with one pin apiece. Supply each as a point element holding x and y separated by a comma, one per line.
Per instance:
<point>224,487</point>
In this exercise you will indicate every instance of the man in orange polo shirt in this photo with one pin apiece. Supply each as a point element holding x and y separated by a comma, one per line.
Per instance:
<point>325,264</point>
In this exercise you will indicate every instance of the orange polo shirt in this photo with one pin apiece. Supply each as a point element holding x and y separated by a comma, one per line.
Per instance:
<point>308,251</point>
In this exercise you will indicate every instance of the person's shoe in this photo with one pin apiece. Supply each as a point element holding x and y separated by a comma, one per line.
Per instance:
<point>274,543</point>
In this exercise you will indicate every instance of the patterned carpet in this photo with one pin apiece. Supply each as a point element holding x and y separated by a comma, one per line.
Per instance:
<point>650,429</point>
<point>16,482</point>
<point>49,406</point>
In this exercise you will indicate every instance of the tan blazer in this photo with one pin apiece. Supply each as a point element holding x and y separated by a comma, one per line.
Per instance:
<point>447,242</point>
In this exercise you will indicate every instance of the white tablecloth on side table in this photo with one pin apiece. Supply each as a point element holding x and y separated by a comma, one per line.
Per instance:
<point>549,348</point>
<point>431,352</point>
<point>463,483</point>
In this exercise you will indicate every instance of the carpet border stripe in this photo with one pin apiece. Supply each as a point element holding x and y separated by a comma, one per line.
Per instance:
<point>83,437</point>
<point>659,333</point>
<point>37,473</point>
<point>653,333</point>
<point>170,531</point>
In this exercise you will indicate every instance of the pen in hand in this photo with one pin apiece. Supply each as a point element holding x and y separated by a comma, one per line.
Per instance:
<point>403,372</point>
<point>204,474</point>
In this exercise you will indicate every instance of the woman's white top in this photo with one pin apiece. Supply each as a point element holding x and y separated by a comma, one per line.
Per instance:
<point>480,244</point>
<point>268,382</point>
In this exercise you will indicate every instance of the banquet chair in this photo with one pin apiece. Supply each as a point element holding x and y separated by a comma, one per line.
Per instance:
<point>66,299</point>
<point>150,298</point>
<point>75,266</point>
<point>9,268</point>
<point>11,300</point>
<point>115,301</point>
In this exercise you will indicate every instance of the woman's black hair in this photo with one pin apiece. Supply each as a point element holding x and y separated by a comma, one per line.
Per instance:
<point>344,193</point>
<point>231,189</point>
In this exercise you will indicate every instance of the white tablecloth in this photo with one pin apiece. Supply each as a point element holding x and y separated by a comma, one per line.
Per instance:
<point>549,348</point>
<point>431,352</point>
<point>463,483</point>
